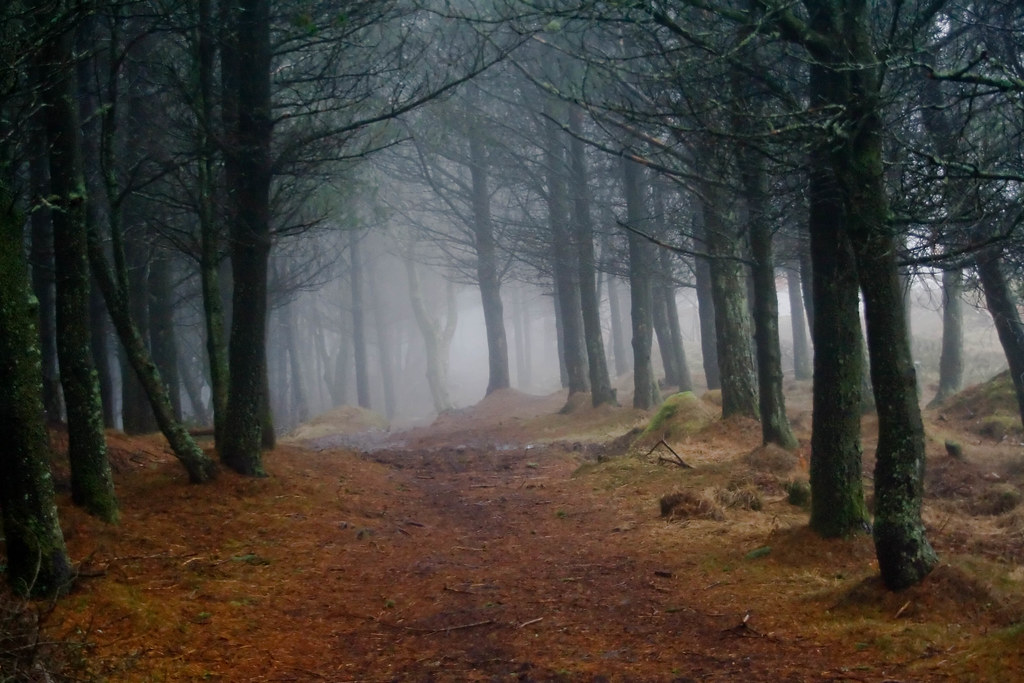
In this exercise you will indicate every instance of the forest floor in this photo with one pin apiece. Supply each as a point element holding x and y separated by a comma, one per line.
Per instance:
<point>511,542</point>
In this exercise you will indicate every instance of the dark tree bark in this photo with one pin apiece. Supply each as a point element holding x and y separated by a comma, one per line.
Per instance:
<point>250,243</point>
<point>1002,305</point>
<point>199,467</point>
<point>675,339</point>
<point>645,388</point>
<point>100,342</point>
<point>772,403</point>
<point>837,489</point>
<point>801,350</point>
<point>136,417</point>
<point>904,553</point>
<point>37,561</point>
<point>488,277</point>
<point>564,266</point>
<point>210,242</point>
<point>706,316</point>
<point>732,314</point>
<point>42,276</point>
<point>583,231</point>
<point>807,286</point>
<point>662,332</point>
<point>92,486</point>
<point>162,334</point>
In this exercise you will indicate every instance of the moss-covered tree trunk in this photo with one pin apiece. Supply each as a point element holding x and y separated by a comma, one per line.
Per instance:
<point>733,331</point>
<point>92,485</point>
<point>645,387</point>
<point>837,488</point>
<point>199,466</point>
<point>250,242</point>
<point>772,403</point>
<point>904,553</point>
<point>37,561</point>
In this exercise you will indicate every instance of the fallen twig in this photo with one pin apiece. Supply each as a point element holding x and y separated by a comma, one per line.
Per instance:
<point>678,461</point>
<point>531,621</point>
<point>448,629</point>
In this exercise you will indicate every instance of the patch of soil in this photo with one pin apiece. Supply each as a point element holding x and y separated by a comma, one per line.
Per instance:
<point>508,542</point>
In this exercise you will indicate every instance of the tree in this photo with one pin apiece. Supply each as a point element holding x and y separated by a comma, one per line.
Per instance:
<point>92,485</point>
<point>583,232</point>
<point>37,561</point>
<point>645,388</point>
<point>249,150</point>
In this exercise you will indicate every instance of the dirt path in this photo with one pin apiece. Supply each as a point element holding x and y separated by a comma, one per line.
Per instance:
<point>490,565</point>
<point>469,554</point>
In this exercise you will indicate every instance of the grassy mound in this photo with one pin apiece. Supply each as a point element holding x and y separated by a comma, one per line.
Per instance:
<point>681,416</point>
<point>342,420</point>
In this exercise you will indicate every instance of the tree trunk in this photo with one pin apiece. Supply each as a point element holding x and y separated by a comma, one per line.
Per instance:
<point>801,351</point>
<point>250,243</point>
<point>772,402</point>
<point>299,401</point>
<point>488,277</point>
<point>1002,305</point>
<point>209,232</point>
<point>199,467</point>
<point>732,314</point>
<point>675,340</point>
<point>37,561</point>
<point>706,316</point>
<point>837,488</point>
<point>619,352</point>
<point>564,266</point>
<point>99,340</point>
<point>436,340</point>
<point>646,394</point>
<point>904,554</point>
<point>42,276</point>
<point>385,346</point>
<point>951,360</point>
<point>358,322</point>
<point>162,328</point>
<point>136,417</point>
<point>600,383</point>
<point>92,486</point>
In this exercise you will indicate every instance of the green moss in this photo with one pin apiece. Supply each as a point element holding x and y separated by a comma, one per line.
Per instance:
<point>680,415</point>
